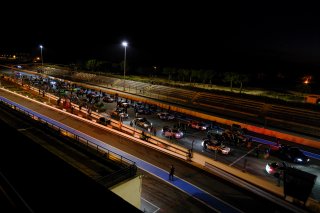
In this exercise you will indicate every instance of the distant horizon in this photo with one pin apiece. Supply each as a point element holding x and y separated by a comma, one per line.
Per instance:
<point>260,63</point>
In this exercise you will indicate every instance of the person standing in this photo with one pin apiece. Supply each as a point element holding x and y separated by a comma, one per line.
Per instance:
<point>171,173</point>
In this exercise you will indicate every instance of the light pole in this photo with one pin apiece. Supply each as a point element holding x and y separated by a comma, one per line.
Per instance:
<point>125,44</point>
<point>41,47</point>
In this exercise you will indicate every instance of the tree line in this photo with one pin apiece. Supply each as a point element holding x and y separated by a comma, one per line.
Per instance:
<point>233,79</point>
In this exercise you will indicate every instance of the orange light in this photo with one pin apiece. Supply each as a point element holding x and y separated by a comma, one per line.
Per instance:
<point>307,79</point>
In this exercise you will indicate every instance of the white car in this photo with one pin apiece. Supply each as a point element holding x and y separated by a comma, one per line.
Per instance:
<point>198,125</point>
<point>142,122</point>
<point>169,132</point>
<point>120,114</point>
<point>165,116</point>
<point>215,145</point>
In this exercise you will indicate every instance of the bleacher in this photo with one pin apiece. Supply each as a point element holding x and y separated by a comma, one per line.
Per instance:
<point>295,115</point>
<point>241,105</point>
<point>173,94</point>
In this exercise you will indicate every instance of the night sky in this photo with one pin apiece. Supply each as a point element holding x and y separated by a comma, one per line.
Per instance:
<point>237,37</point>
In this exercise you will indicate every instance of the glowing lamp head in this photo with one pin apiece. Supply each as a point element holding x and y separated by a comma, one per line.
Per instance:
<point>124,43</point>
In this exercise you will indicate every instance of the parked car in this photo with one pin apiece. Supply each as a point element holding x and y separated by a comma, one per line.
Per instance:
<point>121,109</point>
<point>104,121</point>
<point>172,132</point>
<point>216,130</point>
<point>216,137</point>
<point>274,148</point>
<point>142,122</point>
<point>143,110</point>
<point>107,99</point>
<point>123,104</point>
<point>198,125</point>
<point>153,108</point>
<point>213,144</point>
<point>138,105</point>
<point>120,113</point>
<point>293,154</point>
<point>237,128</point>
<point>165,116</point>
<point>276,168</point>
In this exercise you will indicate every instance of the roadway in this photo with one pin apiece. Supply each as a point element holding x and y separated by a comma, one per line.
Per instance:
<point>238,157</point>
<point>215,186</point>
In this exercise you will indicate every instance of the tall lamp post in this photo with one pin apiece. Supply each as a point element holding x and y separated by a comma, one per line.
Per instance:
<point>125,44</point>
<point>41,47</point>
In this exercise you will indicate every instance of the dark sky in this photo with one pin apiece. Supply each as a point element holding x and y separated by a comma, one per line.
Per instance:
<point>232,36</point>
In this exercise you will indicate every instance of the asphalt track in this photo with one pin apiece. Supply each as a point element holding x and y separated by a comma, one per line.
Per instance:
<point>213,202</point>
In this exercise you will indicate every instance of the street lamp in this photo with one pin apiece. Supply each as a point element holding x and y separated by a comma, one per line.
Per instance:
<point>125,44</point>
<point>41,47</point>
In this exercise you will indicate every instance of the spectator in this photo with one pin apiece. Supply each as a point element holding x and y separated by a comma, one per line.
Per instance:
<point>171,173</point>
<point>257,152</point>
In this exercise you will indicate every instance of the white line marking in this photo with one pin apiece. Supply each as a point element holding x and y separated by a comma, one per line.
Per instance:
<point>244,155</point>
<point>151,204</point>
